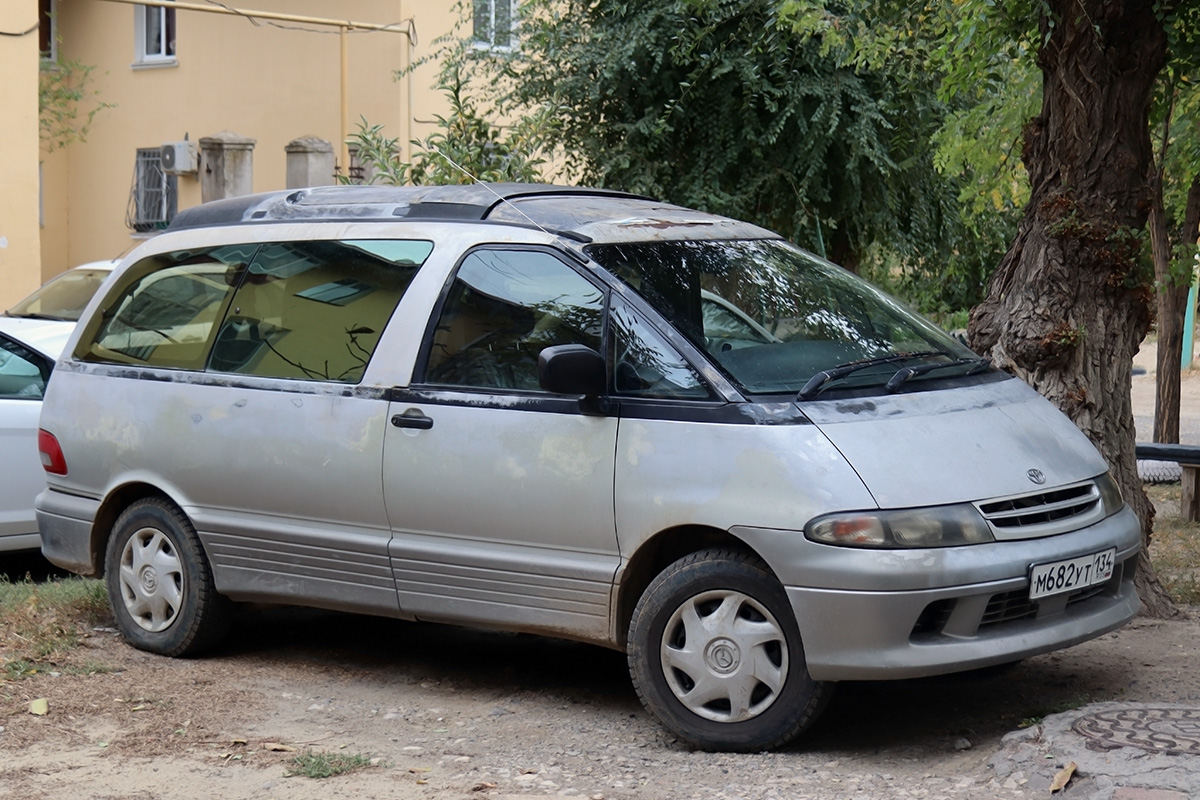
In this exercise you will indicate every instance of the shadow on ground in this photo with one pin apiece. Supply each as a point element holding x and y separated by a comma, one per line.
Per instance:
<point>28,564</point>
<point>864,717</point>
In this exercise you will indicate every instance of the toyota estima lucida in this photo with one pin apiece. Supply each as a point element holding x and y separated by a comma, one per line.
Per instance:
<point>577,413</point>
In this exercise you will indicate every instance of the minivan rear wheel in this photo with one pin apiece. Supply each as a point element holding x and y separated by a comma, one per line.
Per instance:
<point>715,653</point>
<point>159,582</point>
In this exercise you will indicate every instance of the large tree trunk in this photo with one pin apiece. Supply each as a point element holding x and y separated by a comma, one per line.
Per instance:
<point>1071,301</point>
<point>1172,308</point>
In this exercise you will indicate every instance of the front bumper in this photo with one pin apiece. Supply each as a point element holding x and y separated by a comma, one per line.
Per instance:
<point>945,610</point>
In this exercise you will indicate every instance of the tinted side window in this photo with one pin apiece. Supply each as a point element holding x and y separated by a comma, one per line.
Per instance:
<point>646,365</point>
<point>165,309</point>
<point>23,373</point>
<point>315,310</point>
<point>503,309</point>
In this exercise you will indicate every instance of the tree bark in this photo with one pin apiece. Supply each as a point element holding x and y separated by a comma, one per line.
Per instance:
<point>1172,308</point>
<point>1071,300</point>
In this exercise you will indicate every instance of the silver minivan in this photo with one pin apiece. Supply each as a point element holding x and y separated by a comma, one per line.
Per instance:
<point>578,413</point>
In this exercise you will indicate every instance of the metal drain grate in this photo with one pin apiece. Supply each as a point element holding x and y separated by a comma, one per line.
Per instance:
<point>1158,730</point>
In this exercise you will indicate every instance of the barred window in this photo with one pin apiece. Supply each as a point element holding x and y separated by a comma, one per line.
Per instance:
<point>153,197</point>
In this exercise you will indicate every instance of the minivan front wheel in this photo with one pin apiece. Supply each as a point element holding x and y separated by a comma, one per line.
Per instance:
<point>715,654</point>
<point>159,582</point>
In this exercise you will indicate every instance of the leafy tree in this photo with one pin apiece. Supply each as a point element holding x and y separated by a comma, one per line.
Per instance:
<point>1073,297</point>
<point>717,105</point>
<point>466,146</point>
<point>1175,209</point>
<point>63,92</point>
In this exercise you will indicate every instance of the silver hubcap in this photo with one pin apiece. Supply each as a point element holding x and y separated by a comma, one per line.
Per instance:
<point>724,655</point>
<point>151,579</point>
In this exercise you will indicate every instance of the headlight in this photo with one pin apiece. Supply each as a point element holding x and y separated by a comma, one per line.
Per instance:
<point>1110,494</point>
<point>942,526</point>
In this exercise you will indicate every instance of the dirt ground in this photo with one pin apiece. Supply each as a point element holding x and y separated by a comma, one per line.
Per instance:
<point>455,713</point>
<point>447,713</point>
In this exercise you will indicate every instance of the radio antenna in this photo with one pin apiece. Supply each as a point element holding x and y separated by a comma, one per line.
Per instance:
<point>499,196</point>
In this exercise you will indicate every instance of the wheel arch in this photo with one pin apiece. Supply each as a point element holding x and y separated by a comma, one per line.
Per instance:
<point>110,509</point>
<point>656,554</point>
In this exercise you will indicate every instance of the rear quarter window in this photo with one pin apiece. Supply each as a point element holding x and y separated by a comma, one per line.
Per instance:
<point>309,310</point>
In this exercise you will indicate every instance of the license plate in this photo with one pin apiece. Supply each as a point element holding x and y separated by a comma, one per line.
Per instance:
<point>1073,573</point>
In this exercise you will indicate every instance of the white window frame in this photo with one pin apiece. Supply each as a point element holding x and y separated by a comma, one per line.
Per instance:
<point>143,18</point>
<point>488,42</point>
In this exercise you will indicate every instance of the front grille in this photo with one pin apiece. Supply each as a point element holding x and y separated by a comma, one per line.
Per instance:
<point>1008,607</point>
<point>1044,513</point>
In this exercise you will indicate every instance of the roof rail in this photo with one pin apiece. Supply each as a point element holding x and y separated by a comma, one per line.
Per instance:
<point>374,203</point>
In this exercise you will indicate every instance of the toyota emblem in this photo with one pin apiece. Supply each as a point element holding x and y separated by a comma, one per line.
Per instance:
<point>1037,476</point>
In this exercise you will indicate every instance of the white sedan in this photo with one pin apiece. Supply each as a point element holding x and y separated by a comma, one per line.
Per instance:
<point>28,350</point>
<point>32,334</point>
<point>64,296</point>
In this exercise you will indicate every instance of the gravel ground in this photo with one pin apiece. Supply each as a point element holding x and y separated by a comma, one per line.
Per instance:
<point>454,713</point>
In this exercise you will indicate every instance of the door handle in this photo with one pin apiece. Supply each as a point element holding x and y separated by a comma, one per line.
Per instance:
<point>412,418</point>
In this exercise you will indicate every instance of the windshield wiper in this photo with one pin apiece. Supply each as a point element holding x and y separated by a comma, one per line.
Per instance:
<point>818,381</point>
<point>905,373</point>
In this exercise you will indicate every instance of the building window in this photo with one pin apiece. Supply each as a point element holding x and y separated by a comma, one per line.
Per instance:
<point>152,200</point>
<point>495,24</point>
<point>154,27</point>
<point>48,29</point>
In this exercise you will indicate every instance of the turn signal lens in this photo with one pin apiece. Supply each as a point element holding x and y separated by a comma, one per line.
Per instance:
<point>1110,494</point>
<point>53,460</point>
<point>855,531</point>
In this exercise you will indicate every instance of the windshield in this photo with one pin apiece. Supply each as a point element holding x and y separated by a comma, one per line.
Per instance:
<point>778,319</point>
<point>62,298</point>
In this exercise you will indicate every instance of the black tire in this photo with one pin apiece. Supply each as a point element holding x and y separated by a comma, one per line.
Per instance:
<point>159,583</point>
<point>674,676</point>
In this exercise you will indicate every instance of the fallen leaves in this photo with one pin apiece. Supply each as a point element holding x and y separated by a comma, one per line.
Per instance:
<point>39,707</point>
<point>1063,777</point>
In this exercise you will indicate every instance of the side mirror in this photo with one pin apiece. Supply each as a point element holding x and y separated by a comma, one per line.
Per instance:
<point>572,369</point>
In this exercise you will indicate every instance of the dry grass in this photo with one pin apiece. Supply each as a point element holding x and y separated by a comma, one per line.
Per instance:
<point>1175,546</point>
<point>41,623</point>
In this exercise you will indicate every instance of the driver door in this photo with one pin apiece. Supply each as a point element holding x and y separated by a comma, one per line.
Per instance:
<point>499,494</point>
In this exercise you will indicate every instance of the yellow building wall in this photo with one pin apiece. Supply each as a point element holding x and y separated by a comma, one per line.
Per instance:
<point>272,82</point>
<point>20,248</point>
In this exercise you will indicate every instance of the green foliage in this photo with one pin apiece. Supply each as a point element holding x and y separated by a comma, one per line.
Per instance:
<point>311,764</point>
<point>465,148</point>
<point>739,108</point>
<point>715,105</point>
<point>977,56</point>
<point>63,96</point>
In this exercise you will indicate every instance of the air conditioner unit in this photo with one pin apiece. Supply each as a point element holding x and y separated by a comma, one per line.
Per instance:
<point>179,158</point>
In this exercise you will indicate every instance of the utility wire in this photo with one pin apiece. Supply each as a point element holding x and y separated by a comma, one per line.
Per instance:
<point>26,32</point>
